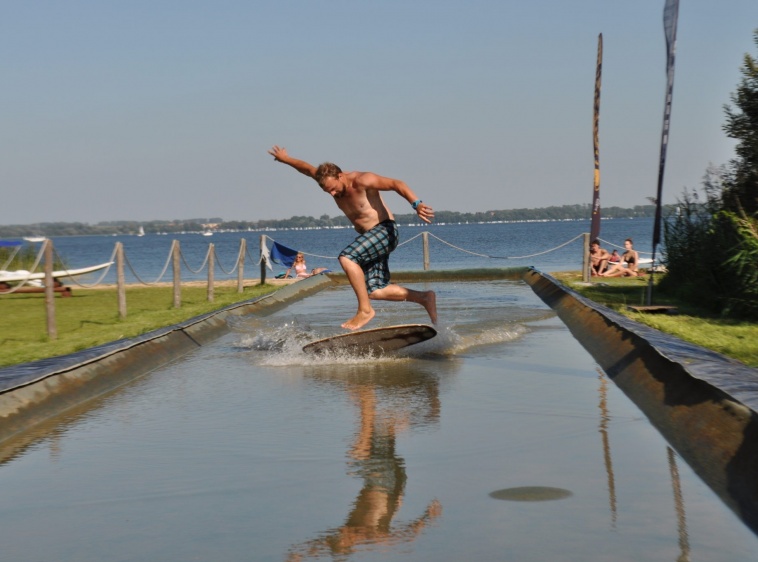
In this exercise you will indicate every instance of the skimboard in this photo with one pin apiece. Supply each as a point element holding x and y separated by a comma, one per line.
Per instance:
<point>10,276</point>
<point>375,340</point>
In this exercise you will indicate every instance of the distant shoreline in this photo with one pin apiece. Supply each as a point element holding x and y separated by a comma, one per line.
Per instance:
<point>409,223</point>
<point>217,224</point>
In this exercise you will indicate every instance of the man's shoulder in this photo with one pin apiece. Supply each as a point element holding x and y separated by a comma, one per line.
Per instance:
<point>364,180</point>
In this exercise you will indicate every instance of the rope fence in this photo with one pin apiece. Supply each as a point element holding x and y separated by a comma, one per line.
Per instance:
<point>49,283</point>
<point>160,276</point>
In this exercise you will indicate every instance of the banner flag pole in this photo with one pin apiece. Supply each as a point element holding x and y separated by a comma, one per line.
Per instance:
<point>670,17</point>
<point>595,225</point>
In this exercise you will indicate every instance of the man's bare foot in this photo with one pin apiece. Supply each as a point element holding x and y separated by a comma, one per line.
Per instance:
<point>359,320</point>
<point>429,302</point>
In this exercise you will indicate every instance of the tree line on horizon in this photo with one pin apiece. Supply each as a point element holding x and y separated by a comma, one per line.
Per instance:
<point>554,213</point>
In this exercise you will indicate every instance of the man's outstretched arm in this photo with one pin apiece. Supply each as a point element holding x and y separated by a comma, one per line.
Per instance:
<point>280,154</point>
<point>368,180</point>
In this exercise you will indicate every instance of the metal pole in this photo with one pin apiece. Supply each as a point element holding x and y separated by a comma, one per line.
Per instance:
<point>425,240</point>
<point>211,267</point>
<point>120,284</point>
<point>649,290</point>
<point>52,331</point>
<point>177,274</point>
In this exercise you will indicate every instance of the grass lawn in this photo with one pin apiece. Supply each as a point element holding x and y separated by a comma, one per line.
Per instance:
<point>733,338</point>
<point>90,317</point>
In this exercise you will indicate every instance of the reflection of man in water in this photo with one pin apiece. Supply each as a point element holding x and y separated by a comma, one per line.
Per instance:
<point>383,474</point>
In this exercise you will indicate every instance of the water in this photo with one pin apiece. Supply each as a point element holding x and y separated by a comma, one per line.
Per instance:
<point>149,254</point>
<point>498,440</point>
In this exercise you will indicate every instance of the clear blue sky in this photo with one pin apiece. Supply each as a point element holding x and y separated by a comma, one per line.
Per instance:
<point>150,109</point>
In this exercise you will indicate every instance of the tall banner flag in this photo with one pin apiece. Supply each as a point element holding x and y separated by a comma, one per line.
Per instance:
<point>595,226</point>
<point>670,16</point>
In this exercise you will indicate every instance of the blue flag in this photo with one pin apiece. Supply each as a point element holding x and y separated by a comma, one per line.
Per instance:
<point>283,255</point>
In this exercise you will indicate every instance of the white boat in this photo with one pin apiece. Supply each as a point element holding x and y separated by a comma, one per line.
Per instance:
<point>207,233</point>
<point>35,238</point>
<point>141,231</point>
<point>21,275</point>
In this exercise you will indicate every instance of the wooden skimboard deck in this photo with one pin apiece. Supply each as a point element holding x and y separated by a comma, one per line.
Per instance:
<point>375,340</point>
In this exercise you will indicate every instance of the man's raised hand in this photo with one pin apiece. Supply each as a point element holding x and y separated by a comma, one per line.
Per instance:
<point>278,152</point>
<point>425,212</point>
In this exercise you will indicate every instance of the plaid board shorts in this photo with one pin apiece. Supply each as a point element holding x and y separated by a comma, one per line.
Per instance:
<point>371,250</point>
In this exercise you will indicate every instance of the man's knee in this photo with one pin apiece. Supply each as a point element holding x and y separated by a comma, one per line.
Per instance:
<point>377,294</point>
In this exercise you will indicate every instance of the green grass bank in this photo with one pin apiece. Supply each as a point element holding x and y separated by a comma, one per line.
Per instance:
<point>733,338</point>
<point>90,317</point>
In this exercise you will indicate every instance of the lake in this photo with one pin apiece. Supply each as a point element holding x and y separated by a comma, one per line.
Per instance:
<point>500,439</point>
<point>452,246</point>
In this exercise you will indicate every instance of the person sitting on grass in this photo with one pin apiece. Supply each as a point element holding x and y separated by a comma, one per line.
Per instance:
<point>628,265</point>
<point>598,257</point>
<point>301,270</point>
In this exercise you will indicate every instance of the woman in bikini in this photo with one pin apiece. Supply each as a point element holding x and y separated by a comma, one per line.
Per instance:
<point>631,258</point>
<point>301,270</point>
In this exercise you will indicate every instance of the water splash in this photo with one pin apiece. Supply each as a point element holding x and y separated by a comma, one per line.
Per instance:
<point>449,342</point>
<point>282,345</point>
<point>259,336</point>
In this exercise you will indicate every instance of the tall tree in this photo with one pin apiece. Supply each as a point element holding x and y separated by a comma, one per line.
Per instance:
<point>741,189</point>
<point>712,246</point>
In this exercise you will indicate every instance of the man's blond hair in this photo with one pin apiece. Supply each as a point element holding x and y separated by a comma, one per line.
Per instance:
<point>326,170</point>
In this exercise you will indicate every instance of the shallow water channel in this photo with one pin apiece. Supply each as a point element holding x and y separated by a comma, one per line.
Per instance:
<point>499,439</point>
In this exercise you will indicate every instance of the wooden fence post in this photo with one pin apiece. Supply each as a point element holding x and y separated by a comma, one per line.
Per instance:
<point>120,284</point>
<point>586,257</point>
<point>176,254</point>
<point>211,266</point>
<point>263,260</point>
<point>241,266</point>
<point>425,240</point>
<point>52,331</point>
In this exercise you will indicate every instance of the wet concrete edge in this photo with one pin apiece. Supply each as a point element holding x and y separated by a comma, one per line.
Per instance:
<point>704,404</point>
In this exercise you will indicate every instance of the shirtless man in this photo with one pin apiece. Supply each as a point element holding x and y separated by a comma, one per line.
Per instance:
<point>599,258</point>
<point>365,261</point>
